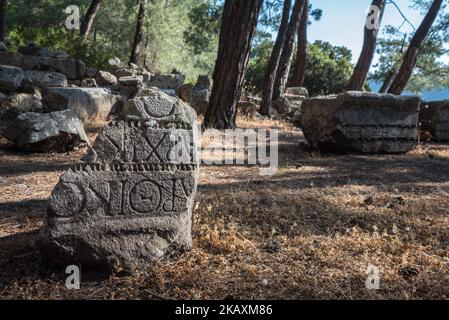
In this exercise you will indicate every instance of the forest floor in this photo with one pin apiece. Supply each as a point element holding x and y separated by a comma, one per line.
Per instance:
<point>309,232</point>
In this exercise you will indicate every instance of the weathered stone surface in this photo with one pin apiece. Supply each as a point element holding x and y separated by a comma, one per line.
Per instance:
<point>3,47</point>
<point>288,104</point>
<point>46,132</point>
<point>90,104</point>
<point>282,105</point>
<point>154,105</point>
<point>89,83</point>
<point>198,95</point>
<point>130,86</point>
<point>130,202</point>
<point>105,78</point>
<point>434,120</point>
<point>72,68</point>
<point>45,79</point>
<point>114,63</point>
<point>204,82</point>
<point>361,122</point>
<point>18,103</point>
<point>123,72</point>
<point>297,91</point>
<point>11,59</point>
<point>166,81</point>
<point>10,78</point>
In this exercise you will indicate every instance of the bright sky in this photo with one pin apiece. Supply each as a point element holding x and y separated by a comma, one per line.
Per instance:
<point>342,22</point>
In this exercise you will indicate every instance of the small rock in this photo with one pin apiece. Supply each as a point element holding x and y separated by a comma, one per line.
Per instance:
<point>114,62</point>
<point>10,78</point>
<point>264,282</point>
<point>105,78</point>
<point>58,131</point>
<point>89,83</point>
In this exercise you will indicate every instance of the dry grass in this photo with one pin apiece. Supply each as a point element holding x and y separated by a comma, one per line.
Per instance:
<point>310,231</point>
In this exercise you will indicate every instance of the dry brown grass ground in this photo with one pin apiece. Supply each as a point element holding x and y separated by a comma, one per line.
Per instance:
<point>329,216</point>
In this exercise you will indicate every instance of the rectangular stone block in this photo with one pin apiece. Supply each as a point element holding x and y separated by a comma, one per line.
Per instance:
<point>361,122</point>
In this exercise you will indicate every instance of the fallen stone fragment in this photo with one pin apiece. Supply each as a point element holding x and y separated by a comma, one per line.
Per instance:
<point>105,78</point>
<point>361,122</point>
<point>90,104</point>
<point>45,79</point>
<point>46,132</point>
<point>166,81</point>
<point>10,78</point>
<point>130,202</point>
<point>17,103</point>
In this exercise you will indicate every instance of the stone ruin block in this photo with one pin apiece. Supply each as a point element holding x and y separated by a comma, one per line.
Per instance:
<point>361,122</point>
<point>130,202</point>
<point>166,81</point>
<point>59,131</point>
<point>434,120</point>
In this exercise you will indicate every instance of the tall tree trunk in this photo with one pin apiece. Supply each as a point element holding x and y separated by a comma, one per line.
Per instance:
<point>88,21</point>
<point>406,70</point>
<point>301,55</point>
<point>270,73</point>
<point>363,65</point>
<point>238,27</point>
<point>138,37</point>
<point>2,20</point>
<point>287,51</point>
<point>388,80</point>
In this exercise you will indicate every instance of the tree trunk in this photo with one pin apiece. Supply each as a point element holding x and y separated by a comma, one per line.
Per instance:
<point>363,65</point>
<point>301,56</point>
<point>88,22</point>
<point>406,70</point>
<point>388,80</point>
<point>138,37</point>
<point>287,51</point>
<point>238,27</point>
<point>2,20</point>
<point>270,73</point>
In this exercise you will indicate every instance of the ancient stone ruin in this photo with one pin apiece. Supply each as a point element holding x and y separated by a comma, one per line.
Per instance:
<point>434,120</point>
<point>130,202</point>
<point>290,102</point>
<point>361,122</point>
<point>59,131</point>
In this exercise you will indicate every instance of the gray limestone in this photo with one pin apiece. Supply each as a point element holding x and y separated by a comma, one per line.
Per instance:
<point>361,122</point>
<point>129,203</point>
<point>46,132</point>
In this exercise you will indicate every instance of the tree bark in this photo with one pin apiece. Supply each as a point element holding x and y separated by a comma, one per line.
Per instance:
<point>89,18</point>
<point>238,27</point>
<point>287,51</point>
<point>270,73</point>
<point>388,80</point>
<point>411,55</point>
<point>2,20</point>
<point>365,60</point>
<point>138,37</point>
<point>301,56</point>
